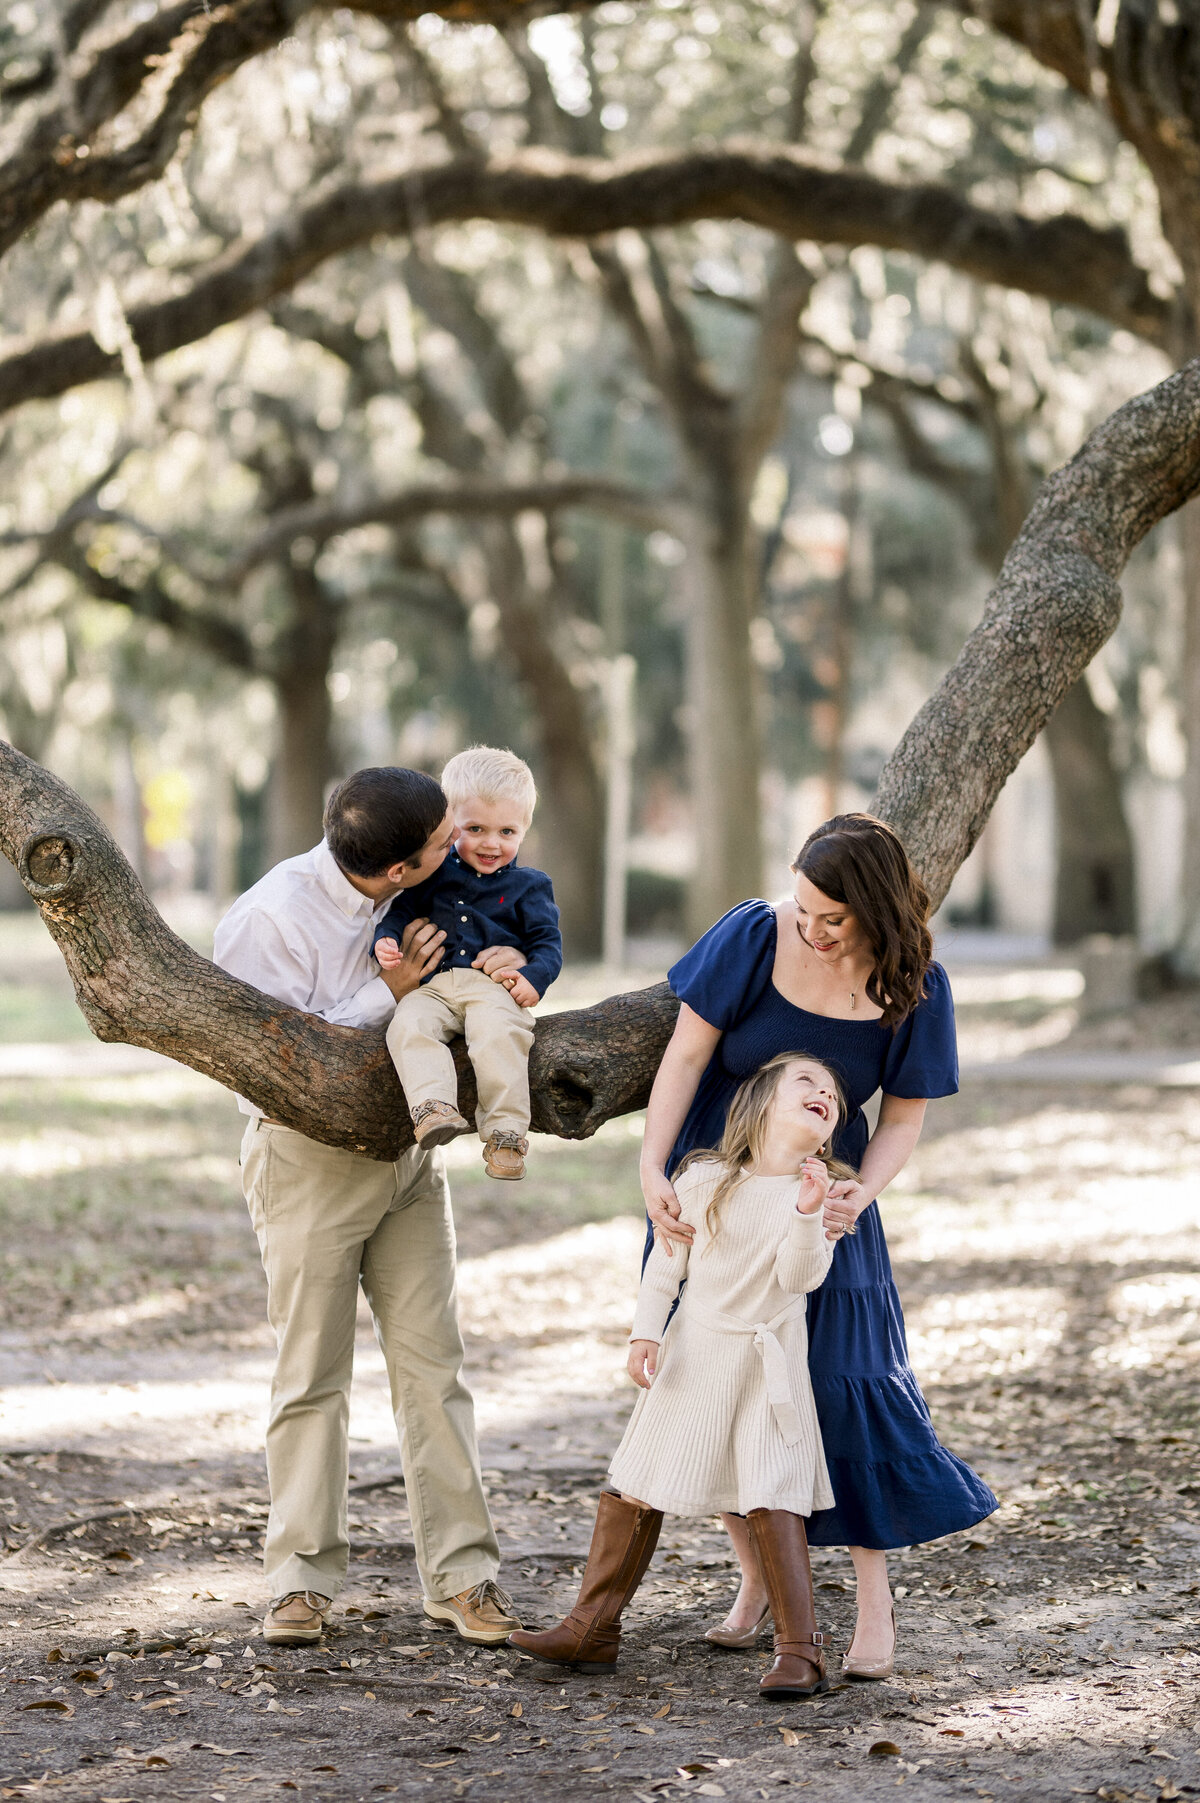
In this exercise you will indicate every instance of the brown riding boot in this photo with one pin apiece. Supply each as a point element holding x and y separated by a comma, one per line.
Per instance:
<point>623,1542</point>
<point>781,1545</point>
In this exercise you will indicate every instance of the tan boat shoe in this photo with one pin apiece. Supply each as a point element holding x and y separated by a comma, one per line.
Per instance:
<point>483,1614</point>
<point>504,1155</point>
<point>437,1123</point>
<point>296,1619</point>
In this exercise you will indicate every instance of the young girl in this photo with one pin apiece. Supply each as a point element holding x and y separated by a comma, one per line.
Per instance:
<point>726,1419</point>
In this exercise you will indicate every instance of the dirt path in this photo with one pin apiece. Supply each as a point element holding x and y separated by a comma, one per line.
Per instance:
<point>1048,1252</point>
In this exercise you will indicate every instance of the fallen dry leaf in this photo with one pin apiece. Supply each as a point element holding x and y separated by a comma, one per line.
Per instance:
<point>53,1703</point>
<point>660,1713</point>
<point>517,1709</point>
<point>790,1737</point>
<point>55,1655</point>
<point>883,1749</point>
<point>957,1733</point>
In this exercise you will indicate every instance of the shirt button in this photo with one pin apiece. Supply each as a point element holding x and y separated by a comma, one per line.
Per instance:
<point>462,917</point>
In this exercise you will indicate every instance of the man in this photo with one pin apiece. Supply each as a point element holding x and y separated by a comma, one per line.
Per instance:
<point>328,1220</point>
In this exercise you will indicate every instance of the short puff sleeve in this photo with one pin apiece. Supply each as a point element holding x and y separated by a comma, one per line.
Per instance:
<point>922,1061</point>
<point>726,971</point>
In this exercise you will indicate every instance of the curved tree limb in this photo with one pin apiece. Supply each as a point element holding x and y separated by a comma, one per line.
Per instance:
<point>766,184</point>
<point>322,520</point>
<point>137,983</point>
<point>1056,602</point>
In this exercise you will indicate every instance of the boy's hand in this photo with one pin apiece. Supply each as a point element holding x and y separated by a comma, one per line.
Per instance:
<point>387,953</point>
<point>420,952</point>
<point>814,1186</point>
<point>520,988</point>
<point>643,1362</point>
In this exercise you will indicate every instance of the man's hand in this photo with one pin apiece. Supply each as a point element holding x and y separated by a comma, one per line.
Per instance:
<point>662,1206</point>
<point>643,1362</point>
<point>814,1186</point>
<point>498,957</point>
<point>520,988</point>
<point>418,953</point>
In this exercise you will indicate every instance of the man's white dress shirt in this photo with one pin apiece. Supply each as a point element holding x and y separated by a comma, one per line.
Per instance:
<point>303,934</point>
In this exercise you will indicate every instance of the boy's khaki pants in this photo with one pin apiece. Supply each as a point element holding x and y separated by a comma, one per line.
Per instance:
<point>498,1033</point>
<point>326,1221</point>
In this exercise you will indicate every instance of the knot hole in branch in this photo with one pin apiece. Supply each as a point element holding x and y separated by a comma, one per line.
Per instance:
<point>572,1097</point>
<point>48,865</point>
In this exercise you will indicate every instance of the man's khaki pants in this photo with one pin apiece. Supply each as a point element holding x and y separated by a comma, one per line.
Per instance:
<point>327,1221</point>
<point>498,1033</point>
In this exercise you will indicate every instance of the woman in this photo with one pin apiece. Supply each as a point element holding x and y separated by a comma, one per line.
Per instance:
<point>844,972</point>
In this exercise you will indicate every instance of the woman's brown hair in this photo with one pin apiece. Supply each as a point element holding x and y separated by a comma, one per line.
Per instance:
<point>746,1130</point>
<point>860,862</point>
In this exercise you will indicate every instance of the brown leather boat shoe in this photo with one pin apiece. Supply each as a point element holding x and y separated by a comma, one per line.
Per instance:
<point>504,1155</point>
<point>437,1123</point>
<point>296,1619</point>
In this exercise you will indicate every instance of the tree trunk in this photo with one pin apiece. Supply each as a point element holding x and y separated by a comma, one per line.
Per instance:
<point>304,761</point>
<point>1186,954</point>
<point>1056,601</point>
<point>1094,881</point>
<point>724,734</point>
<point>571,805</point>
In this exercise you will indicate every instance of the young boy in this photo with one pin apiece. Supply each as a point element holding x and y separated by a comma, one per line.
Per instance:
<point>480,898</point>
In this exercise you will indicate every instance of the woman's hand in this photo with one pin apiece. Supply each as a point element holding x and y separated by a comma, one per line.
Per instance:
<point>662,1205</point>
<point>643,1362</point>
<point>843,1205</point>
<point>814,1186</point>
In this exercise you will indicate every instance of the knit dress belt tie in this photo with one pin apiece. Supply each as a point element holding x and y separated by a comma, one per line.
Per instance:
<point>779,1388</point>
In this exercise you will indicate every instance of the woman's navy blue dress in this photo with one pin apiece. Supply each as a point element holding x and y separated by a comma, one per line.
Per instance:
<point>893,1481</point>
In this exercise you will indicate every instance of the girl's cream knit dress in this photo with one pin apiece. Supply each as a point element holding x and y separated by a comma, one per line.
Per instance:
<point>729,1422</point>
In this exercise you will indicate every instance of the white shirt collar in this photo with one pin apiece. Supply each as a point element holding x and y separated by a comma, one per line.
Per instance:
<point>337,885</point>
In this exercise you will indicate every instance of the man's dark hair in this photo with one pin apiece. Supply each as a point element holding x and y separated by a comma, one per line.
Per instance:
<point>382,816</point>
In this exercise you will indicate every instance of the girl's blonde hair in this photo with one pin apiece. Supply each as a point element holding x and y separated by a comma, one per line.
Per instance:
<point>744,1139</point>
<point>492,775</point>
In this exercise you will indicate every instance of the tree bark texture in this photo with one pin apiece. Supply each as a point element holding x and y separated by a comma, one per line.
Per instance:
<point>767,184</point>
<point>1055,604</point>
<point>1094,888</point>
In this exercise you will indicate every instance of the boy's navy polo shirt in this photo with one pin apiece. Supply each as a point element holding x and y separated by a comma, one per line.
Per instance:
<point>513,906</point>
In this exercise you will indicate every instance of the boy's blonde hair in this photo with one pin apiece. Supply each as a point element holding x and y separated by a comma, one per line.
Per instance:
<point>492,775</point>
<point>745,1135</point>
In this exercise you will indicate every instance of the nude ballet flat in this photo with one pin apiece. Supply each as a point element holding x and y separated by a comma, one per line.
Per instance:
<point>727,1637</point>
<point>871,1671</point>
